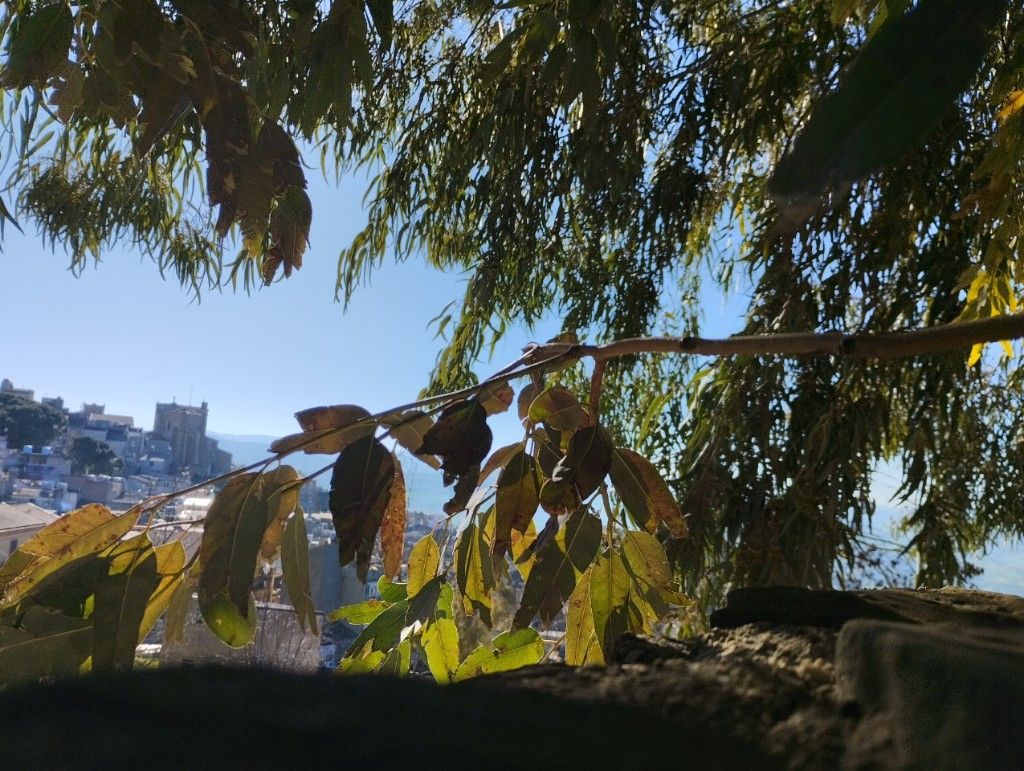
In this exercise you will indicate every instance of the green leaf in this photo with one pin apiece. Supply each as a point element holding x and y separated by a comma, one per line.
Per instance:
<point>558,408</point>
<point>559,563</point>
<point>84,531</point>
<point>521,544</point>
<point>361,613</point>
<point>233,533</point>
<point>45,644</point>
<point>646,559</point>
<point>383,15</point>
<point>170,564</point>
<point>509,650</point>
<point>587,461</point>
<point>38,44</point>
<point>396,663</point>
<point>473,572</point>
<point>361,665</point>
<point>905,79</point>
<point>360,491</point>
<point>609,599</point>
<point>424,604</point>
<point>440,643</point>
<point>461,437</point>
<point>383,632</point>
<point>391,591</point>
<point>295,571</point>
<point>122,596</point>
<point>516,500</point>
<point>423,563</point>
<point>645,494</point>
<point>581,647</point>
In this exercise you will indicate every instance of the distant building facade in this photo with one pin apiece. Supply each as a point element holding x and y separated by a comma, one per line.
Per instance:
<point>184,426</point>
<point>18,523</point>
<point>7,387</point>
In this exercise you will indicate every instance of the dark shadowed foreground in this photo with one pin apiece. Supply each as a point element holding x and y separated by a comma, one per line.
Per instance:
<point>789,678</point>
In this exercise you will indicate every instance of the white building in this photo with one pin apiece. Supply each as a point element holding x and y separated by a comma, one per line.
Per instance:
<point>18,523</point>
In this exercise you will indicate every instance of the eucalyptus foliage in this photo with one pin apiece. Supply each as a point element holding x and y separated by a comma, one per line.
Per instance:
<point>854,162</point>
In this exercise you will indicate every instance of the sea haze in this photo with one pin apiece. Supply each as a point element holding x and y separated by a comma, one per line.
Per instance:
<point>426,493</point>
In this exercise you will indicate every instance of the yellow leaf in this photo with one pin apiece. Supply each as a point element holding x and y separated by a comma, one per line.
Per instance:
<point>975,354</point>
<point>1007,348</point>
<point>1013,105</point>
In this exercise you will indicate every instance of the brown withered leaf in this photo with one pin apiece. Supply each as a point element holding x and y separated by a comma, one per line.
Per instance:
<point>327,430</point>
<point>408,429</point>
<point>392,527</point>
<point>461,437</point>
<point>496,397</point>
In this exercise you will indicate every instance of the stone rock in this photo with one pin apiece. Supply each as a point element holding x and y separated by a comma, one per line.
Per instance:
<point>934,696</point>
<point>794,606</point>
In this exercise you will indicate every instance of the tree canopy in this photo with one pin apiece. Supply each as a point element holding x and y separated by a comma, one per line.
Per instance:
<point>91,456</point>
<point>852,163</point>
<point>27,422</point>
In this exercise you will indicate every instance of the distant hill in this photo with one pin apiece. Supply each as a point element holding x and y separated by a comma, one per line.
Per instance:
<point>426,493</point>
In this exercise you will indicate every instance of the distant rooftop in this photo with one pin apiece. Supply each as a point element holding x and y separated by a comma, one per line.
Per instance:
<point>16,516</point>
<point>121,420</point>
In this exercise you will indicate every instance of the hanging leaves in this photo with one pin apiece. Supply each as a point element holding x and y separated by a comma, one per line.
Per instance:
<point>905,79</point>
<point>496,398</point>
<point>295,571</point>
<point>609,599</point>
<point>587,460</point>
<point>122,596</point>
<point>461,437</point>
<point>424,560</point>
<point>170,564</point>
<point>473,572</point>
<point>558,408</point>
<point>409,428</point>
<point>559,563</point>
<point>361,613</point>
<point>82,532</point>
<point>440,643</point>
<point>516,500</point>
<point>392,527</point>
<point>581,646</point>
<point>497,460</point>
<point>509,650</point>
<point>645,494</point>
<point>383,632</point>
<point>232,536</point>
<point>38,44</point>
<point>360,492</point>
<point>45,644</point>
<point>327,430</point>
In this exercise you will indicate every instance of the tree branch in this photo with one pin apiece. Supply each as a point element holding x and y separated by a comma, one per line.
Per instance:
<point>885,345</point>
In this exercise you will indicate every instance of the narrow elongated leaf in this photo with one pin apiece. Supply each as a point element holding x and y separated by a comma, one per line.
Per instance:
<point>521,543</point>
<point>232,536</point>
<point>440,642</point>
<point>177,610</point>
<point>360,491</point>
<point>46,644</point>
<point>280,505</point>
<point>81,532</point>
<point>295,571</point>
<point>509,650</point>
<point>424,604</point>
<point>383,632</point>
<point>559,563</point>
<point>516,500</point>
<point>122,594</point>
<point>361,665</point>
<point>645,494</point>
<point>170,562</point>
<point>646,559</point>
<point>361,613</point>
<point>525,399</point>
<point>423,562</point>
<point>587,460</point>
<point>609,599</point>
<point>558,408</point>
<point>392,527</point>
<point>581,648</point>
<point>473,572</point>
<point>391,591</point>
<point>909,74</point>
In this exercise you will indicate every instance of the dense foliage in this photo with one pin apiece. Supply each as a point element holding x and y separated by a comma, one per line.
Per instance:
<point>91,456</point>
<point>853,163</point>
<point>26,422</point>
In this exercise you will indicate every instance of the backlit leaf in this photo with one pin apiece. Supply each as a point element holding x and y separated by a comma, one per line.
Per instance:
<point>609,599</point>
<point>497,460</point>
<point>280,505</point>
<point>383,632</point>
<point>409,428</point>
<point>170,562</point>
<point>581,647</point>
<point>473,572</point>
<point>38,44</point>
<point>516,500</point>
<point>361,613</point>
<point>295,571</point>
<point>327,430</point>
<point>645,494</point>
<point>521,543</point>
<point>509,650</point>
<point>496,398</point>
<point>559,563</point>
<point>396,662</point>
<point>360,491</point>
<point>424,603</point>
<point>45,644</point>
<point>392,527</point>
<point>440,643</point>
<point>122,594</point>
<point>587,460</point>
<point>423,563</point>
<point>557,407</point>
<point>391,591</point>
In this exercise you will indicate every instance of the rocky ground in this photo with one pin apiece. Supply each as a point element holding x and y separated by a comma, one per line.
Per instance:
<point>787,678</point>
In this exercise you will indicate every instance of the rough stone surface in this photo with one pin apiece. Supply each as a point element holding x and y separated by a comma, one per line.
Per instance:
<point>938,696</point>
<point>931,678</point>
